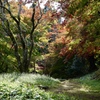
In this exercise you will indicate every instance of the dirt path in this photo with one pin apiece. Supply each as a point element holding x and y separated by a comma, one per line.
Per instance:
<point>77,90</point>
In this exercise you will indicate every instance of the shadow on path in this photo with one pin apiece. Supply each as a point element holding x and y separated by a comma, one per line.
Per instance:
<point>75,89</point>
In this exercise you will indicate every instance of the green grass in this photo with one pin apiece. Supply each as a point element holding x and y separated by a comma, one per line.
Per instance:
<point>89,82</point>
<point>25,87</point>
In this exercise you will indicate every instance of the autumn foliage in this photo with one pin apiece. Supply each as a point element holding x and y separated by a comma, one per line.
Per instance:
<point>78,34</point>
<point>63,35</point>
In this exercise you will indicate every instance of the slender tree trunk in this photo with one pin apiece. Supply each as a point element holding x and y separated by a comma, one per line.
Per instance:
<point>34,65</point>
<point>23,58</point>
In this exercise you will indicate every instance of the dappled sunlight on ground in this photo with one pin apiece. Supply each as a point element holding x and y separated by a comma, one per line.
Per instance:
<point>74,87</point>
<point>78,90</point>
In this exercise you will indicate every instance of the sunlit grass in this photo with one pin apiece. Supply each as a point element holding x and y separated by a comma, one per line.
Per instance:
<point>89,84</point>
<point>23,86</point>
<point>18,86</point>
<point>34,79</point>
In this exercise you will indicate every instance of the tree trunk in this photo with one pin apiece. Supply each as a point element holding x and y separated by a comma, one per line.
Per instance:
<point>92,66</point>
<point>24,57</point>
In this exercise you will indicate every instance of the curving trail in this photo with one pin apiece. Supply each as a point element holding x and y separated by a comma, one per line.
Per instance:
<point>77,90</point>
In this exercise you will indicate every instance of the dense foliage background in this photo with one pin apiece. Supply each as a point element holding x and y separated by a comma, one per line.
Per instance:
<point>61,41</point>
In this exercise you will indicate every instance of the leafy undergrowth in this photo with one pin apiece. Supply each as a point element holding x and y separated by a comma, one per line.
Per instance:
<point>17,86</point>
<point>26,87</point>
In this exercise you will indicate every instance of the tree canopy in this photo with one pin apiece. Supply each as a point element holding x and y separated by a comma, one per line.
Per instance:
<point>65,36</point>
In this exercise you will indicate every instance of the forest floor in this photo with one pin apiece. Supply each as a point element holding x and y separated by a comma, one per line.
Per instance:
<point>76,89</point>
<point>17,86</point>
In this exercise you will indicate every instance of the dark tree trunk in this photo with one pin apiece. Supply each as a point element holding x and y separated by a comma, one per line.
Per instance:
<point>24,58</point>
<point>26,67</point>
<point>92,66</point>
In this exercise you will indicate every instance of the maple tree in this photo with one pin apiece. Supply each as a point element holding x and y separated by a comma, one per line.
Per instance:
<point>78,34</point>
<point>20,27</point>
<point>86,13</point>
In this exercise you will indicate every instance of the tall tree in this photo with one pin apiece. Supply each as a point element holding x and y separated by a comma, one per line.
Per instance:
<point>78,34</point>
<point>85,12</point>
<point>21,39</point>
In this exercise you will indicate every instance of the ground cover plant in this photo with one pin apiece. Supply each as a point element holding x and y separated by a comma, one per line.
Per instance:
<point>23,86</point>
<point>26,87</point>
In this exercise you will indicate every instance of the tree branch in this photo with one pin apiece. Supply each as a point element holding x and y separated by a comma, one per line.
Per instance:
<point>41,14</point>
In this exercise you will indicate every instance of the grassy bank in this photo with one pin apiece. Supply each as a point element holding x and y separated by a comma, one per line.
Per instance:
<point>92,84</point>
<point>17,86</point>
<point>27,87</point>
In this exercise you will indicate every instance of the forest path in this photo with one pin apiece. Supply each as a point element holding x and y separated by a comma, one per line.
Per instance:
<point>78,90</point>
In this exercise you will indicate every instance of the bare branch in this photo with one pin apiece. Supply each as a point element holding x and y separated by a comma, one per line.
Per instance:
<point>10,13</point>
<point>41,14</point>
<point>31,34</point>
